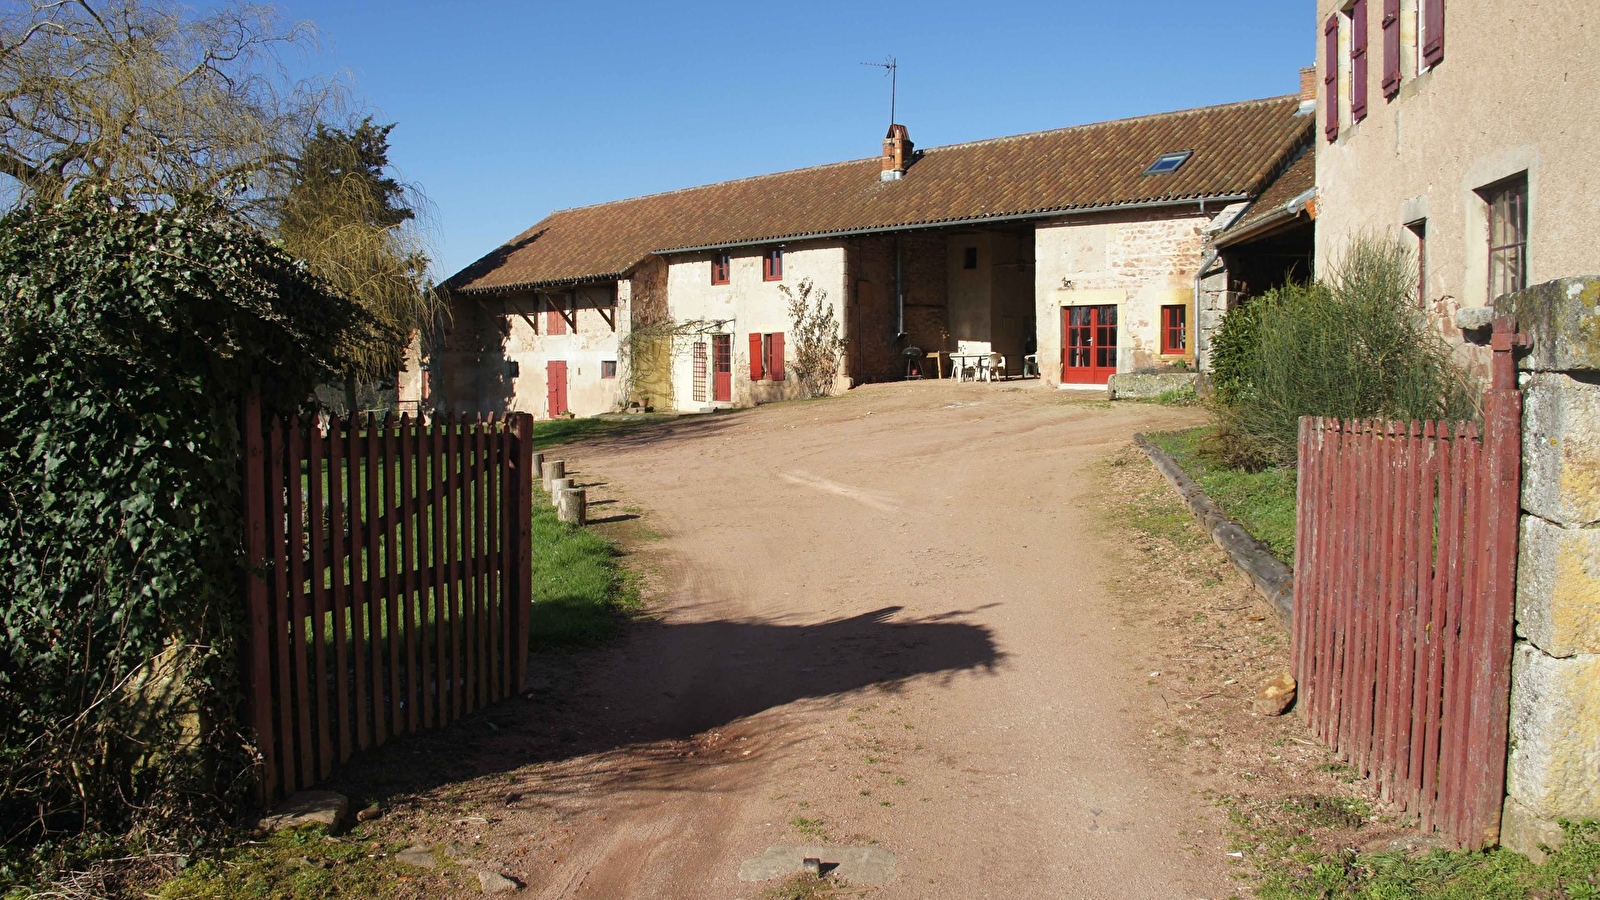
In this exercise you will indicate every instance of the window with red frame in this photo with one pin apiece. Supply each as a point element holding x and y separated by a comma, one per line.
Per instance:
<point>721,266</point>
<point>1174,329</point>
<point>772,265</point>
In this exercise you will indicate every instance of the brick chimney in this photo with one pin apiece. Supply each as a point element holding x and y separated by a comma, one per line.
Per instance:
<point>1308,90</point>
<point>897,148</point>
<point>1308,83</point>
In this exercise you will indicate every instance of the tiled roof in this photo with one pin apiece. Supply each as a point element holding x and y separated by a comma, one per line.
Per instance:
<point>1277,201</point>
<point>1237,147</point>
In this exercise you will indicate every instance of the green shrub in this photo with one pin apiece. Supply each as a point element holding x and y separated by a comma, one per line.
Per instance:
<point>127,339</point>
<point>1355,346</point>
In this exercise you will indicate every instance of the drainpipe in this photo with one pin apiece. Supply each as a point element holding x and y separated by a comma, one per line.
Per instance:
<point>899,294</point>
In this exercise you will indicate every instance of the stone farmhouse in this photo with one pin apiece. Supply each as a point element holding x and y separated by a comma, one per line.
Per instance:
<point>1088,249</point>
<point>1468,128</point>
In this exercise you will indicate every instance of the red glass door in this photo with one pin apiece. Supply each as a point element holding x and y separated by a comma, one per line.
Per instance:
<point>1088,344</point>
<point>722,373</point>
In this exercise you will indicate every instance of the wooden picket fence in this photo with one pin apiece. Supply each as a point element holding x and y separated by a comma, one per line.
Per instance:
<point>389,584</point>
<point>1405,558</point>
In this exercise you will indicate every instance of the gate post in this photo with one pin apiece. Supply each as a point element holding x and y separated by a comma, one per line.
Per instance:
<point>1555,690</point>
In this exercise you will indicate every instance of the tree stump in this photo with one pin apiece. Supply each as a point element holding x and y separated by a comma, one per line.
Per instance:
<point>572,505</point>
<point>552,470</point>
<point>538,465</point>
<point>559,485</point>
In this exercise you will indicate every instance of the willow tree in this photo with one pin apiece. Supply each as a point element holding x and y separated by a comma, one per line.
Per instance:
<point>341,209</point>
<point>143,102</point>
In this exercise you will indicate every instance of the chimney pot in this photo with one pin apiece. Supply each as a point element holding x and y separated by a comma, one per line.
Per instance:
<point>897,149</point>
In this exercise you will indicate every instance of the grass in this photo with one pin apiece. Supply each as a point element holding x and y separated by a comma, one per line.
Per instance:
<point>561,431</point>
<point>1261,502</point>
<point>1280,841</point>
<point>308,864</point>
<point>581,592</point>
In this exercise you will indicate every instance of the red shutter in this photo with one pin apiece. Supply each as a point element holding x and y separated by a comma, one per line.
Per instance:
<point>1432,32</point>
<point>775,370</point>
<point>1391,47</point>
<point>1330,78</point>
<point>755,358</point>
<point>1358,61</point>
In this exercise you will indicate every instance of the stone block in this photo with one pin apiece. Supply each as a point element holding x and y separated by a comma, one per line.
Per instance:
<point>324,808</point>
<point>1554,768</point>
<point>1526,833</point>
<point>1558,587</point>
<point>1561,449</point>
<point>1137,386</point>
<point>1563,319</point>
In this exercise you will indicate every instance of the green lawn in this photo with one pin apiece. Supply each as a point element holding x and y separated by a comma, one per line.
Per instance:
<point>1261,502</point>
<point>561,431</point>
<point>581,592</point>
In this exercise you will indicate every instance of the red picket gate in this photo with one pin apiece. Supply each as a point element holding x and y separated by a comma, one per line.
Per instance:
<point>1405,582</point>
<point>389,584</point>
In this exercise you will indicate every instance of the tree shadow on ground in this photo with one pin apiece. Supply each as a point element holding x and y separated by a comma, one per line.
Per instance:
<point>636,710</point>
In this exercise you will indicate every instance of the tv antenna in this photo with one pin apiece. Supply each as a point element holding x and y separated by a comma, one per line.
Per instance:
<point>890,67</point>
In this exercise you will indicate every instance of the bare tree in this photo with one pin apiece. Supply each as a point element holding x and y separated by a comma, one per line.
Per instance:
<point>143,101</point>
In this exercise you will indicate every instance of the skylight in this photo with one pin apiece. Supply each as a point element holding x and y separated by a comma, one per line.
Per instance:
<point>1167,163</point>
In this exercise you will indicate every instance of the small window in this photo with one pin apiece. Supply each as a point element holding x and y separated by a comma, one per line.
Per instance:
<point>772,265</point>
<point>608,368</point>
<point>721,266</point>
<point>1167,163</point>
<point>1419,230</point>
<point>969,258</point>
<point>1508,235</point>
<point>1174,329</point>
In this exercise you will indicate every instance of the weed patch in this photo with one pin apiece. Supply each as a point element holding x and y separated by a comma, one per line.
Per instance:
<point>1261,502</point>
<point>309,864</point>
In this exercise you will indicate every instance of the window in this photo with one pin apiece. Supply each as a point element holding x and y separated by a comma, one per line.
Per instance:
<point>1419,230</point>
<point>772,265</point>
<point>1358,60</point>
<point>721,265</point>
<point>1508,235</point>
<point>1430,25</point>
<point>608,368</point>
<point>1174,329</point>
<point>1167,163</point>
<point>766,356</point>
<point>969,258</point>
<point>555,315</point>
<point>1391,48</point>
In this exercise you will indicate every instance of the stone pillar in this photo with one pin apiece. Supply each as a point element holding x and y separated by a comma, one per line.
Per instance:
<point>1554,767</point>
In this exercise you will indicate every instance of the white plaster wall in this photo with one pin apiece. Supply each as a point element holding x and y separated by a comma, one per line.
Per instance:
<point>593,342</point>
<point>1137,264</point>
<point>747,304</point>
<point>1516,92</point>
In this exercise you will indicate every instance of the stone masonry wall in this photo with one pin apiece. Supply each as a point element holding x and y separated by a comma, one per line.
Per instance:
<point>1553,771</point>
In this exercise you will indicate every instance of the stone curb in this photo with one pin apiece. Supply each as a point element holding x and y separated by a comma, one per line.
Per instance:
<point>1272,579</point>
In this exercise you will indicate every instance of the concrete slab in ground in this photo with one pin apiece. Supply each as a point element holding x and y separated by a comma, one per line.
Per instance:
<point>857,865</point>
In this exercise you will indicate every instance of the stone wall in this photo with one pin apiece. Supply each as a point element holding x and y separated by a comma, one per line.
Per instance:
<point>1554,767</point>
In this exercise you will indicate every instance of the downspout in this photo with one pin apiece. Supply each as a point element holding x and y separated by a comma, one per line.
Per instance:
<point>899,294</point>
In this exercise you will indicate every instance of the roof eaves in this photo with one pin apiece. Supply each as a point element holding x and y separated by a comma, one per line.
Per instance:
<point>535,285</point>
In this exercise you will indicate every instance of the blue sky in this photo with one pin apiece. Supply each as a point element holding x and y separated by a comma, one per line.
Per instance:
<point>508,110</point>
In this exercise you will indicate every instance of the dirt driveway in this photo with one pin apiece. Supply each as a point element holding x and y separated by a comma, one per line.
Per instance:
<point>877,619</point>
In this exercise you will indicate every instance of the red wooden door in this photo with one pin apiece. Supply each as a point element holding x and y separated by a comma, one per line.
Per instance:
<point>555,379</point>
<point>1088,344</point>
<point>722,380</point>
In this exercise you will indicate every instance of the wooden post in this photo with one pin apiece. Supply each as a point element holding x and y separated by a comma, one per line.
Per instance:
<point>553,470</point>
<point>537,462</point>
<point>572,505</point>
<point>557,486</point>
<point>524,547</point>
